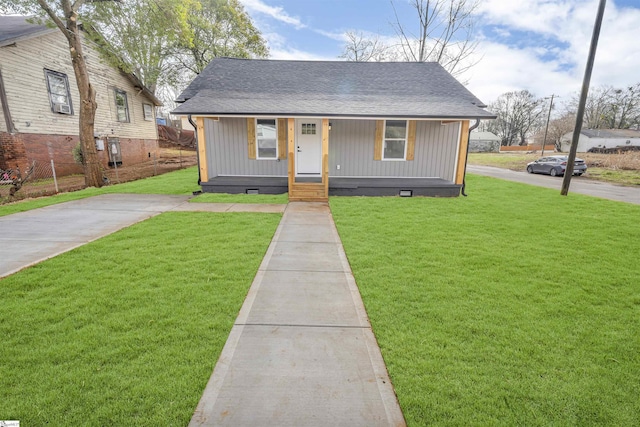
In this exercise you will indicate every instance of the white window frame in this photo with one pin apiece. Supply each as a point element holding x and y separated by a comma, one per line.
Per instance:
<point>148,117</point>
<point>258,139</point>
<point>117,91</point>
<point>68,104</point>
<point>405,139</point>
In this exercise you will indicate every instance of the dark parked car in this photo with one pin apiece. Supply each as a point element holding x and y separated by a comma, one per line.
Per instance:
<point>556,166</point>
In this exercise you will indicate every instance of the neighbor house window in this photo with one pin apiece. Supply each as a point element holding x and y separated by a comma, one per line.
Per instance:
<point>147,109</point>
<point>395,140</point>
<point>122,106</point>
<point>266,139</point>
<point>59,96</point>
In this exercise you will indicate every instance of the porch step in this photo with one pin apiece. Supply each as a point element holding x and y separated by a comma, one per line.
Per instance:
<point>308,192</point>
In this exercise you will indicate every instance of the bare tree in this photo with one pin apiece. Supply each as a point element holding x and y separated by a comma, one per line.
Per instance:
<point>444,33</point>
<point>519,114</point>
<point>595,108</point>
<point>362,49</point>
<point>624,108</point>
<point>611,108</point>
<point>558,127</point>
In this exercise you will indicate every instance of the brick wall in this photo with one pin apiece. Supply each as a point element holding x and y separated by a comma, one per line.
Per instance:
<point>12,151</point>
<point>24,148</point>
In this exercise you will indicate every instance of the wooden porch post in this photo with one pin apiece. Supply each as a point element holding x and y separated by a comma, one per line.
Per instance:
<point>202,150</point>
<point>291,151</point>
<point>462,153</point>
<point>325,156</point>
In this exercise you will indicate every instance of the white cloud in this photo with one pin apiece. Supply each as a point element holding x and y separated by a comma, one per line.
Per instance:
<point>295,54</point>
<point>539,45</point>
<point>275,12</point>
<point>279,48</point>
<point>504,68</point>
<point>552,57</point>
<point>338,36</point>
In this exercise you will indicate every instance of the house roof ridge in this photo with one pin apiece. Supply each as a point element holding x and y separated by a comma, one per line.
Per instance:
<point>327,61</point>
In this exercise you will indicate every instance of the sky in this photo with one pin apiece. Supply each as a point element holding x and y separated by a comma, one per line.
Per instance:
<point>538,45</point>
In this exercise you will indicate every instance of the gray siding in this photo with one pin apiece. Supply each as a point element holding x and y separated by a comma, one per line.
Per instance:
<point>351,146</point>
<point>227,151</point>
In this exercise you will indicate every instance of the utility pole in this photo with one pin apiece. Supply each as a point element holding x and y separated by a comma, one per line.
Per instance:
<point>566,181</point>
<point>546,129</point>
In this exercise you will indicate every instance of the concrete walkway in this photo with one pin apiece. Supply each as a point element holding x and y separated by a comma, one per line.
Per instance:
<point>28,238</point>
<point>301,352</point>
<point>578,185</point>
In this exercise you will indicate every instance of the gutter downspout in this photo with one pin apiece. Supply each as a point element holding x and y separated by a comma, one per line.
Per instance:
<point>464,176</point>
<point>195,127</point>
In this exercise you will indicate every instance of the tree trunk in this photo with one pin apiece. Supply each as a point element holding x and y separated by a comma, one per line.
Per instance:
<point>88,106</point>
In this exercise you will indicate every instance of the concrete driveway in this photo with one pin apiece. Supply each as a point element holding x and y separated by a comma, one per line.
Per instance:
<point>579,185</point>
<point>27,238</point>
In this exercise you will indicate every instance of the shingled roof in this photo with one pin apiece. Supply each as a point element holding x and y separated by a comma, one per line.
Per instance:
<point>328,89</point>
<point>15,28</point>
<point>611,133</point>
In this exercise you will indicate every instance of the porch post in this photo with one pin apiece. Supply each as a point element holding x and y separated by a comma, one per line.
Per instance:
<point>462,151</point>
<point>325,156</point>
<point>291,151</point>
<point>202,151</point>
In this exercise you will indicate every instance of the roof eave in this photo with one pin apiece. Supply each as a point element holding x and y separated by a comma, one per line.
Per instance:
<point>334,115</point>
<point>137,83</point>
<point>22,37</point>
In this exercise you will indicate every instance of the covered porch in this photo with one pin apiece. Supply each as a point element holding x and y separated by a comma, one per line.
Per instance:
<point>304,145</point>
<point>338,186</point>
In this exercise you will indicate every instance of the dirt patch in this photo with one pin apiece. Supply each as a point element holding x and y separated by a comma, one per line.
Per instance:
<point>169,159</point>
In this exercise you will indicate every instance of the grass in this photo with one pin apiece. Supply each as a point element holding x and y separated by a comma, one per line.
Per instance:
<point>126,330</point>
<point>183,181</point>
<point>241,198</point>
<point>514,306</point>
<point>514,161</point>
<point>617,176</point>
<point>622,169</point>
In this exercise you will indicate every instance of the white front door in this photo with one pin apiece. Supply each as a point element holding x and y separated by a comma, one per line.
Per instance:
<point>308,147</point>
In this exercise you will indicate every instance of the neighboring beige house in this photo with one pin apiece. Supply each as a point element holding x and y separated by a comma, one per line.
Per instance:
<point>601,138</point>
<point>40,102</point>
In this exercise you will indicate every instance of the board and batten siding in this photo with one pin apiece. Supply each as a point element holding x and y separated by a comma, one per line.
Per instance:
<point>23,67</point>
<point>227,152</point>
<point>351,145</point>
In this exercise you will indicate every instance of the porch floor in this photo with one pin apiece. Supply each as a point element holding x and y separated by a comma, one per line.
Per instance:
<point>338,186</point>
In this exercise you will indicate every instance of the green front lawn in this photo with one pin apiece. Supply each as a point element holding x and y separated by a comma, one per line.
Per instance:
<point>126,330</point>
<point>513,306</point>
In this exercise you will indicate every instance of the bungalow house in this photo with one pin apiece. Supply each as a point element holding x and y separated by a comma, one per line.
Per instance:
<point>320,128</point>
<point>39,102</point>
<point>601,138</point>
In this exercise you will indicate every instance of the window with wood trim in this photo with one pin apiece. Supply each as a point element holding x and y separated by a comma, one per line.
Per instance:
<point>266,139</point>
<point>59,95</point>
<point>122,105</point>
<point>395,140</point>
